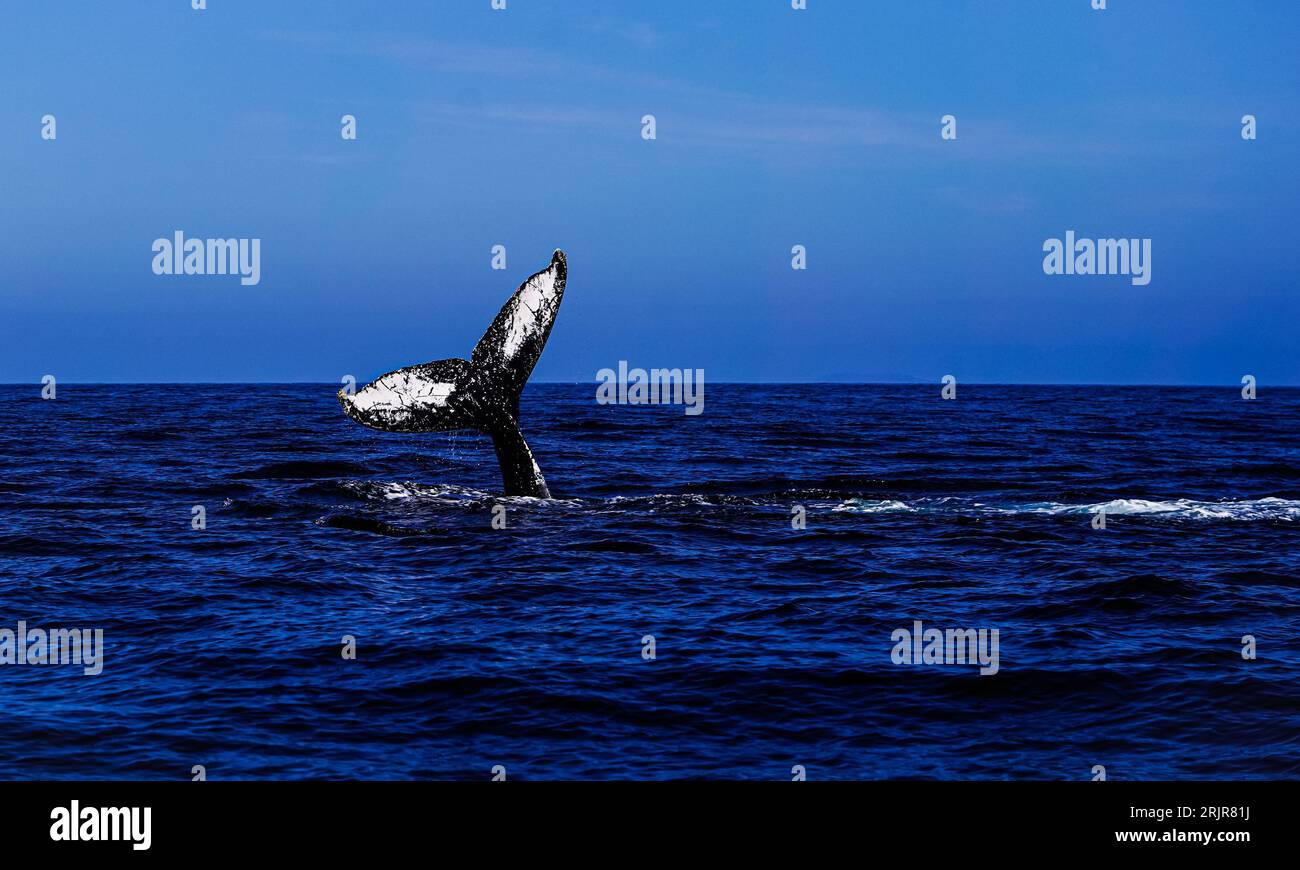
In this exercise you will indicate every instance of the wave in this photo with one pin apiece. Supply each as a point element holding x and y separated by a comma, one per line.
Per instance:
<point>450,495</point>
<point>1181,509</point>
<point>1184,508</point>
<point>870,506</point>
<point>301,469</point>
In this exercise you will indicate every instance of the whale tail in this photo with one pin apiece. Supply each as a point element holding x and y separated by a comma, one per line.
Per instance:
<point>481,393</point>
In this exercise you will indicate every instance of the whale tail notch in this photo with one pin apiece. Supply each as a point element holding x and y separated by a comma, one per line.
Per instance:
<point>481,393</point>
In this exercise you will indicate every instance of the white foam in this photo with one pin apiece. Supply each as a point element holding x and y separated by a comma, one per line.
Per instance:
<point>1183,508</point>
<point>1189,509</point>
<point>441,494</point>
<point>404,490</point>
<point>867,506</point>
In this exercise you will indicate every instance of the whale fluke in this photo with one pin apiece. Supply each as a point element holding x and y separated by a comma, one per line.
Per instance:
<point>481,393</point>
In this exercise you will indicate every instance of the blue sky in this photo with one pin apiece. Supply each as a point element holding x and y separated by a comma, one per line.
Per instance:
<point>775,127</point>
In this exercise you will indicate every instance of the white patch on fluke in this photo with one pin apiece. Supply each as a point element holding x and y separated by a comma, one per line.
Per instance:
<point>402,391</point>
<point>538,293</point>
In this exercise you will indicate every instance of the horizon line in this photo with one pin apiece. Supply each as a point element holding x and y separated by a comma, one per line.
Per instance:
<point>1236,384</point>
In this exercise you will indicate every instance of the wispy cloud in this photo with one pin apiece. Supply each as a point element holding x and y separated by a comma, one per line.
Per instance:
<point>696,115</point>
<point>985,201</point>
<point>690,113</point>
<point>460,57</point>
<point>312,159</point>
<point>740,122</point>
<point>639,33</point>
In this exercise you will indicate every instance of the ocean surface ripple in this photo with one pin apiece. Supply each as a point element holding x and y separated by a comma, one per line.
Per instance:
<point>522,646</point>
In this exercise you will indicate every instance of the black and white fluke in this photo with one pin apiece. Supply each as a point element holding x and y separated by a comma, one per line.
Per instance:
<point>481,393</point>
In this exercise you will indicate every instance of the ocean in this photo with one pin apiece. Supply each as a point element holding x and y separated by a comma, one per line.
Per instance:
<point>662,616</point>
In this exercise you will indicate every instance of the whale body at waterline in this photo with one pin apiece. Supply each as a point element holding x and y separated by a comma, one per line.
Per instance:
<point>481,393</point>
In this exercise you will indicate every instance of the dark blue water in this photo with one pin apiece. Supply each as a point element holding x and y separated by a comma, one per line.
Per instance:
<point>523,646</point>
